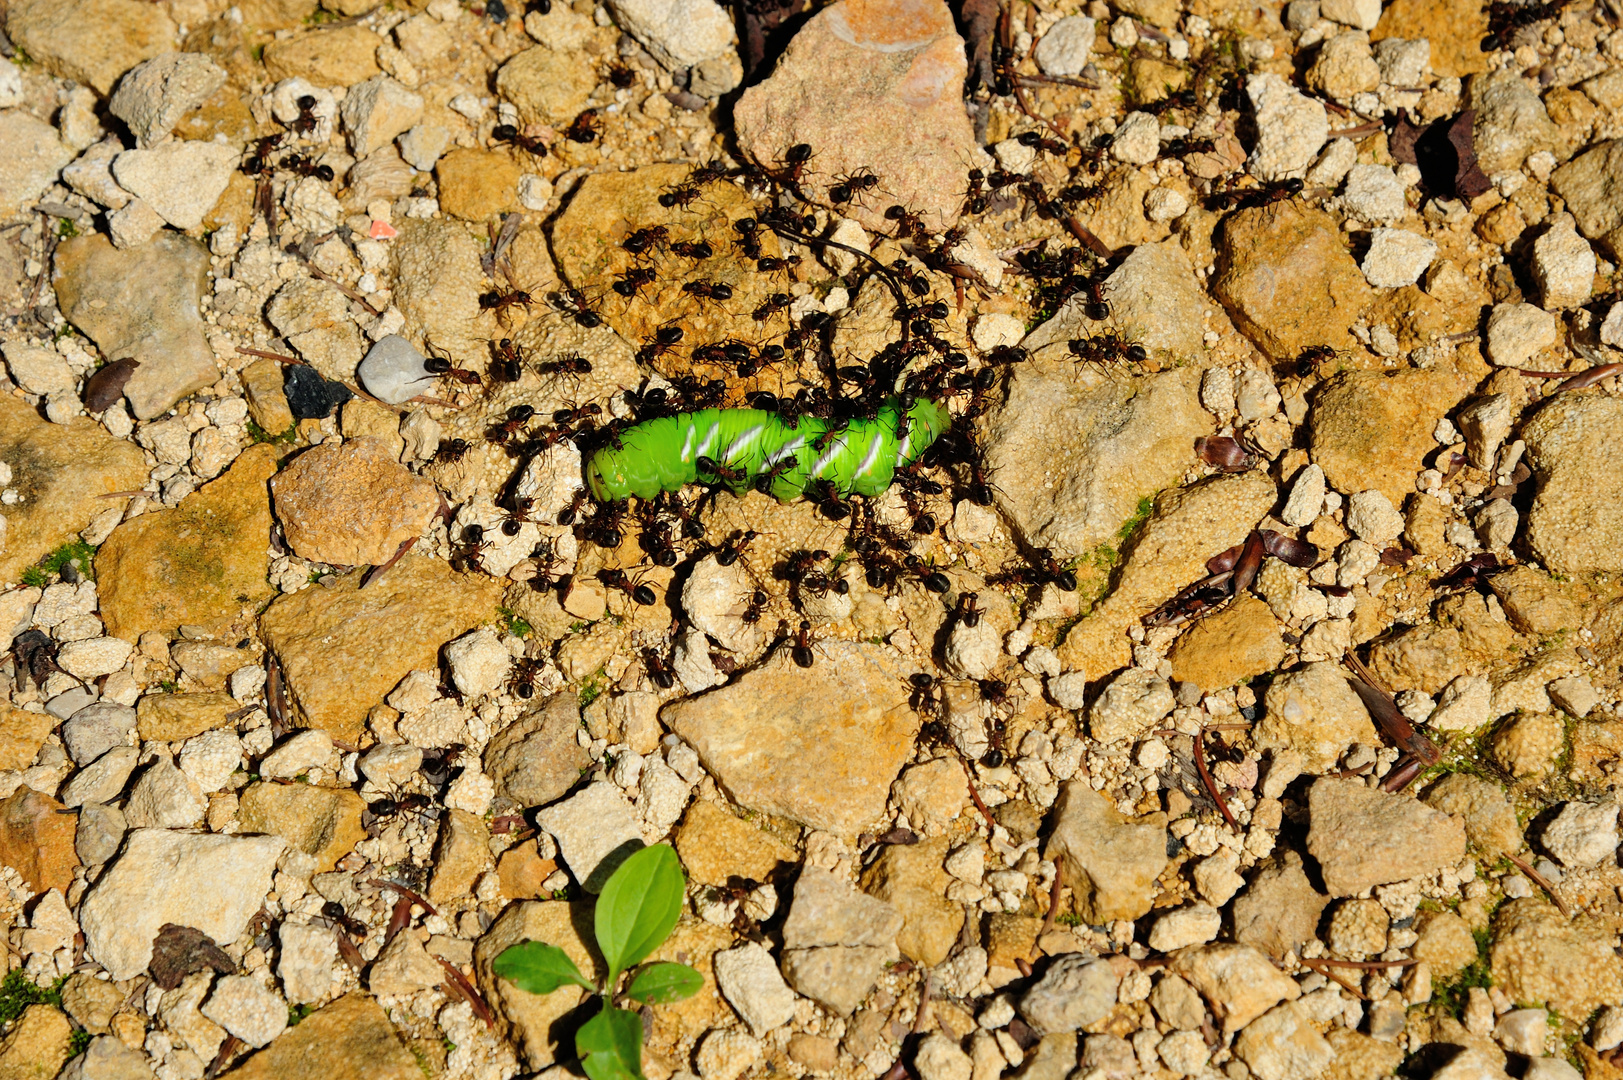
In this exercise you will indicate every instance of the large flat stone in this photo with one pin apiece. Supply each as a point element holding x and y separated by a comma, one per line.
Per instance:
<point>341,650</point>
<point>818,745</point>
<point>199,564</point>
<point>61,471</point>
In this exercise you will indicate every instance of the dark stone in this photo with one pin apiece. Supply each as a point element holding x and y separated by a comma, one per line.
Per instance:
<point>179,951</point>
<point>309,396</point>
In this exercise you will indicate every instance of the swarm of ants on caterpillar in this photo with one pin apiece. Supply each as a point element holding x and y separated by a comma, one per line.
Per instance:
<point>790,411</point>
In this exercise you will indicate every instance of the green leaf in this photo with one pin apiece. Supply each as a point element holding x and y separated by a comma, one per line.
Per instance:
<point>610,1045</point>
<point>637,908</point>
<point>661,984</point>
<point>538,968</point>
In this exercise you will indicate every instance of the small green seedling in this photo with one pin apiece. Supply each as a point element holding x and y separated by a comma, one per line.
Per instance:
<point>636,910</point>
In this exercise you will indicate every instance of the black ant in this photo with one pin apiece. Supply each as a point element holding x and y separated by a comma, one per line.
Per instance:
<point>643,240</point>
<point>617,579</point>
<point>498,302</point>
<point>332,909</point>
<point>620,76</point>
<point>658,670</point>
<point>748,240</point>
<point>465,555</point>
<point>771,306</point>
<point>1107,348</point>
<point>439,365</point>
<point>734,546</point>
<point>603,528</point>
<point>633,280</point>
<point>306,121</point>
<point>304,165</point>
<point>664,340</point>
<point>522,680</point>
<point>517,417</point>
<point>567,515</point>
<point>710,467</point>
<point>574,302</point>
<point>801,650</point>
<point>512,136</point>
<point>795,160</point>
<point>827,494</point>
<point>566,417</point>
<point>1036,141</point>
<point>259,161</point>
<point>848,187</point>
<point>926,696</point>
<point>752,609</point>
<point>1246,198</point>
<point>907,223</point>
<point>692,249</point>
<point>507,364</point>
<point>569,364</point>
<point>585,129</point>
<point>451,452</point>
<point>968,611</point>
<point>928,576</point>
<point>709,290</point>
<point>683,196</point>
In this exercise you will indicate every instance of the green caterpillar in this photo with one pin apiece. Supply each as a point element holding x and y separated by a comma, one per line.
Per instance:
<point>859,458</point>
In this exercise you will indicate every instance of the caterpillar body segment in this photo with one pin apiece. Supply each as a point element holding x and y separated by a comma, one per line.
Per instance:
<point>860,456</point>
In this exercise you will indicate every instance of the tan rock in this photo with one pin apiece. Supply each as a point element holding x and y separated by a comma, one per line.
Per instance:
<point>174,717</point>
<point>324,823</point>
<point>1280,908</point>
<point>22,733</point>
<point>349,1037</point>
<point>91,1002</point>
<point>1489,819</point>
<point>1576,523</point>
<point>714,845</point>
<point>1111,861</point>
<point>1374,431</point>
<point>854,78</point>
<point>1528,745</point>
<point>818,745</point>
<point>586,239</point>
<point>1362,837</point>
<point>1287,281</point>
<point>546,87</point>
<point>909,877</point>
<point>529,1020</point>
<point>1534,602</point>
<point>932,794</point>
<point>336,661</point>
<point>1424,658</point>
<point>1242,640</point>
<point>36,839</point>
<point>478,184</point>
<point>37,1044</point>
<point>199,564</point>
<point>1186,528</point>
<point>141,302</point>
<point>1314,711</point>
<point>352,504</point>
<point>340,57</point>
<point>1538,954</point>
<point>521,870</point>
<point>1455,32</point>
<point>267,401</point>
<point>92,43</point>
<point>462,854</point>
<point>1237,981</point>
<point>61,470</point>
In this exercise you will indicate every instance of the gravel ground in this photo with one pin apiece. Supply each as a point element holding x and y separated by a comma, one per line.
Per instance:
<point>1230,689</point>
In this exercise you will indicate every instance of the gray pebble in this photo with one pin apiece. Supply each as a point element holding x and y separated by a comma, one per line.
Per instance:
<point>393,371</point>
